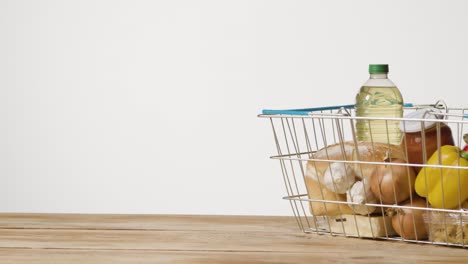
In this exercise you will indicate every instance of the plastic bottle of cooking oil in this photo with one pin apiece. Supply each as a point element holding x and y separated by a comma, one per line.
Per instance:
<point>380,98</point>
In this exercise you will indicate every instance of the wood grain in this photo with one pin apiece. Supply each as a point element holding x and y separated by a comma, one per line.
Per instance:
<point>63,238</point>
<point>148,222</point>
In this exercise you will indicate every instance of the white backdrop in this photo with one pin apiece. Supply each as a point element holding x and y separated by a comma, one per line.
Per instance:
<point>150,106</point>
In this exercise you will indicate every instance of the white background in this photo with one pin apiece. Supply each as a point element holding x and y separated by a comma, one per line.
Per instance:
<point>150,106</point>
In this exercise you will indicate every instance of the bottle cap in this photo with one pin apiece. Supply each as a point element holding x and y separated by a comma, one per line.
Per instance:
<point>378,68</point>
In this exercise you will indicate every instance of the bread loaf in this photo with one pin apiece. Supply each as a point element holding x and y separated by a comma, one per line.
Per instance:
<point>322,189</point>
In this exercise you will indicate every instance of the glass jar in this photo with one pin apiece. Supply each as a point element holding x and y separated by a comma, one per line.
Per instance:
<point>420,137</point>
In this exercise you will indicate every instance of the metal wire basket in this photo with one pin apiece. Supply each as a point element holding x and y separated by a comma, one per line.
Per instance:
<point>322,162</point>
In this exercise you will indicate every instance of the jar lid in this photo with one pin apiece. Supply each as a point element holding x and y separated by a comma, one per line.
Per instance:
<point>415,126</point>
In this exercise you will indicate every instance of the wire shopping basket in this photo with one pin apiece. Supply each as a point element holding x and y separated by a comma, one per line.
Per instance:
<point>416,191</point>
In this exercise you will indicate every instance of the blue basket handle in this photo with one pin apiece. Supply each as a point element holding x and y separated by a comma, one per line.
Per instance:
<point>307,111</point>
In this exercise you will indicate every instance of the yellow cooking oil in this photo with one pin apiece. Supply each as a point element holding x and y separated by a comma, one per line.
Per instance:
<point>378,100</point>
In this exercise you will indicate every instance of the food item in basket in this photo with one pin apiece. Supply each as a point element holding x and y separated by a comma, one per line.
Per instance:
<point>392,183</point>
<point>465,148</point>
<point>317,191</point>
<point>361,194</point>
<point>445,188</point>
<point>347,151</point>
<point>339,177</point>
<point>379,97</point>
<point>447,227</point>
<point>451,233</point>
<point>409,223</point>
<point>360,226</point>
<point>415,141</point>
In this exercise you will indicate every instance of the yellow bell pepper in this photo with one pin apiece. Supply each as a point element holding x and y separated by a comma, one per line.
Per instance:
<point>445,188</point>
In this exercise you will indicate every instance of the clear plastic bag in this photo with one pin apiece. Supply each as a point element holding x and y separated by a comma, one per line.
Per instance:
<point>451,228</point>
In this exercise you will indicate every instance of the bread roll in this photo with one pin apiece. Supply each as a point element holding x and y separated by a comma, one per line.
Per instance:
<point>347,151</point>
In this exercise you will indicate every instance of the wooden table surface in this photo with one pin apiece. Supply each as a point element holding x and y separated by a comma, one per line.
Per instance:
<point>78,238</point>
